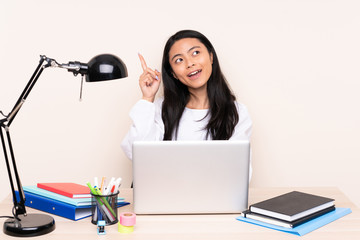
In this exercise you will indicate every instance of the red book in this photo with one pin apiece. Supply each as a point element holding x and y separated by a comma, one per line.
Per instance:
<point>71,190</point>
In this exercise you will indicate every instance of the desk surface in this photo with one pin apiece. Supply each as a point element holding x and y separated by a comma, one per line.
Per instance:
<point>220,226</point>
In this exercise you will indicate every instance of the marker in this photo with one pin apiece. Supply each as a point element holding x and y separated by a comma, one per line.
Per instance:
<point>96,182</point>
<point>105,211</point>
<point>113,200</point>
<point>117,183</point>
<point>105,201</point>
<point>111,183</point>
<point>93,191</point>
<point>108,214</point>
<point>100,200</point>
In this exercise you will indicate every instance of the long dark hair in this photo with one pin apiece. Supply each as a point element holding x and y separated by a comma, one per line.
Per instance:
<point>223,112</point>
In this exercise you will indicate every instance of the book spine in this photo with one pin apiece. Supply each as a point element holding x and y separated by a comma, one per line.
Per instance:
<point>55,196</point>
<point>51,206</point>
<point>83,202</point>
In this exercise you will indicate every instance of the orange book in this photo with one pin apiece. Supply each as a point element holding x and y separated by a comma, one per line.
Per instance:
<point>71,190</point>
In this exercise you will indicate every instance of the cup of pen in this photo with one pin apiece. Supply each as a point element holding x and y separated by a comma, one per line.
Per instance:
<point>104,207</point>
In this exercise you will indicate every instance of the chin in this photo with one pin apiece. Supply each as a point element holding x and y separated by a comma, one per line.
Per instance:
<point>197,86</point>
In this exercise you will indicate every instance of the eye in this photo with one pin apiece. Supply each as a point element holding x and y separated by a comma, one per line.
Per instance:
<point>178,60</point>
<point>195,53</point>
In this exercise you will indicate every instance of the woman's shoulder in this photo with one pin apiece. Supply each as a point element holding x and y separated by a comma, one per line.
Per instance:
<point>240,105</point>
<point>159,101</point>
<point>144,103</point>
<point>241,108</point>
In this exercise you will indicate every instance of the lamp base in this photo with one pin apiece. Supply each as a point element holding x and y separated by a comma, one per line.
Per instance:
<point>30,225</point>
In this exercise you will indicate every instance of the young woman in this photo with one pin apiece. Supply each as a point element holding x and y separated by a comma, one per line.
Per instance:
<point>197,103</point>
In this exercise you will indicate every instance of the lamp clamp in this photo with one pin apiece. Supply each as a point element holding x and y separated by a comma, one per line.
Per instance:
<point>75,67</point>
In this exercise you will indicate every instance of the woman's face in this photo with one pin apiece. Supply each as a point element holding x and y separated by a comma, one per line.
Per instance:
<point>191,62</point>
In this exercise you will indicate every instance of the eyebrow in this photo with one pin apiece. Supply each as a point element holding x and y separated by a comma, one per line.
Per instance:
<point>179,54</point>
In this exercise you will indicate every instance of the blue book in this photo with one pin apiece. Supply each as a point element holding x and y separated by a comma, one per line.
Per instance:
<point>73,201</point>
<point>306,227</point>
<point>58,207</point>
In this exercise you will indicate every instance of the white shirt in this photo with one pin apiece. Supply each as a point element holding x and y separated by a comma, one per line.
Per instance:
<point>148,125</point>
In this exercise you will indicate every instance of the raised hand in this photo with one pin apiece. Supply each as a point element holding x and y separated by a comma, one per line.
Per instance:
<point>149,81</point>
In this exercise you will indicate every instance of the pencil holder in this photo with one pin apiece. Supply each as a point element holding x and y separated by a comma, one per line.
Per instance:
<point>104,207</point>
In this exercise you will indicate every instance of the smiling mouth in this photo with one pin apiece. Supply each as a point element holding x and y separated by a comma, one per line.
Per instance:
<point>194,73</point>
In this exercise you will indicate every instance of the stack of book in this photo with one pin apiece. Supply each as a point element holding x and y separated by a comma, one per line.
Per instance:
<point>69,200</point>
<point>292,211</point>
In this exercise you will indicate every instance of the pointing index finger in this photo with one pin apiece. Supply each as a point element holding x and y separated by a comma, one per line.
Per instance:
<point>143,63</point>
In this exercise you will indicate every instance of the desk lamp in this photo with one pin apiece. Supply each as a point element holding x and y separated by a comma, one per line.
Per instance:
<point>100,68</point>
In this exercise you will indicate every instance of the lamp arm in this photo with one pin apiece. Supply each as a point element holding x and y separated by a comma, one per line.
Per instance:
<point>75,68</point>
<point>19,206</point>
<point>21,100</point>
<point>5,123</point>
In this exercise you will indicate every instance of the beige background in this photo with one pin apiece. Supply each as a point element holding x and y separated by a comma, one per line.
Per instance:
<point>295,64</point>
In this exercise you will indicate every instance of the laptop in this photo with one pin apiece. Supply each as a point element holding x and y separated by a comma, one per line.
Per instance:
<point>190,177</point>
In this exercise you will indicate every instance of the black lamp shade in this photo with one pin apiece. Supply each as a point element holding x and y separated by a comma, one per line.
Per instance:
<point>105,67</point>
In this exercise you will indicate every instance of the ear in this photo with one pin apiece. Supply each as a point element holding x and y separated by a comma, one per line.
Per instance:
<point>211,58</point>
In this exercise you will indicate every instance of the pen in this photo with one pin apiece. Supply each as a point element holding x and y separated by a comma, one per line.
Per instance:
<point>107,190</point>
<point>106,202</point>
<point>113,199</point>
<point>101,202</point>
<point>102,183</point>
<point>117,183</point>
<point>107,213</point>
<point>95,214</point>
<point>93,191</point>
<point>104,211</point>
<point>96,182</point>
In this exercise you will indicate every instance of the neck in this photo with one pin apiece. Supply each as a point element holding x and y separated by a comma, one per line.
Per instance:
<point>198,99</point>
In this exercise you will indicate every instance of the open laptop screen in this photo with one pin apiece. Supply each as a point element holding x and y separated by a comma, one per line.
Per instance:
<point>181,177</point>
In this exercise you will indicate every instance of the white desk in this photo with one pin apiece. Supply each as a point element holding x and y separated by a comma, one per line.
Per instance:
<point>221,226</point>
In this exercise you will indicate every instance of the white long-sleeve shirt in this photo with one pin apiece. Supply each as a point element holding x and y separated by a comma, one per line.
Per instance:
<point>148,125</point>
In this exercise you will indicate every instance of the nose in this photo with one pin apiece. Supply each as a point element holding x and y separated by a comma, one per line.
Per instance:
<point>190,64</point>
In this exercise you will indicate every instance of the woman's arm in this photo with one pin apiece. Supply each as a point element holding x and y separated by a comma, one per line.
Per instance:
<point>243,128</point>
<point>147,124</point>
<point>145,115</point>
<point>149,81</point>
